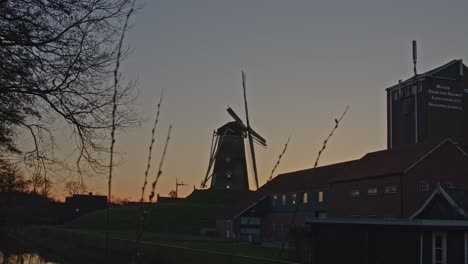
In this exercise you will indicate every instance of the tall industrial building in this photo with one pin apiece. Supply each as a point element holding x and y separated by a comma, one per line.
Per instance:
<point>428,106</point>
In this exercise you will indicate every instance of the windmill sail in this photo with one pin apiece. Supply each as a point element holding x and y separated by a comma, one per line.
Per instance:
<point>249,131</point>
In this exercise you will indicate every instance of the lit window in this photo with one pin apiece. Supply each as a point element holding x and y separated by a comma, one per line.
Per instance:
<point>275,200</point>
<point>228,186</point>
<point>355,193</point>
<point>439,248</point>
<point>283,199</point>
<point>423,187</point>
<point>229,174</point>
<point>372,191</point>
<point>320,197</point>
<point>304,198</point>
<point>293,198</point>
<point>390,189</point>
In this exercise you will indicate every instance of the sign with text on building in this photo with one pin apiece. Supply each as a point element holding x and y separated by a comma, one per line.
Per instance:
<point>445,97</point>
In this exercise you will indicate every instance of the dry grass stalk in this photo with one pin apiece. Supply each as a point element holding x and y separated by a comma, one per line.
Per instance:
<point>337,122</point>
<point>150,151</point>
<point>279,158</point>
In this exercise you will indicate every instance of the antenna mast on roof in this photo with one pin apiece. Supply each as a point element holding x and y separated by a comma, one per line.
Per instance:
<point>415,57</point>
<point>415,91</point>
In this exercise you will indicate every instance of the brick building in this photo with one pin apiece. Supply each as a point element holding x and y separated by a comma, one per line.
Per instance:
<point>267,213</point>
<point>394,183</point>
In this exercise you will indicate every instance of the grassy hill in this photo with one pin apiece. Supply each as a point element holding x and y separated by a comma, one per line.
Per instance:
<point>186,216</point>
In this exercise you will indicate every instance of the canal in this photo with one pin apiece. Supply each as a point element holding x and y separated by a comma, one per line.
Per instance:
<point>13,251</point>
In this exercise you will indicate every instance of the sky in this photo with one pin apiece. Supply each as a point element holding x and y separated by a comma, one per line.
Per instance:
<point>305,62</point>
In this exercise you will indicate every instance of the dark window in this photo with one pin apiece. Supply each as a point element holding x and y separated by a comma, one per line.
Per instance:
<point>390,189</point>
<point>439,248</point>
<point>423,186</point>
<point>448,186</point>
<point>355,193</point>
<point>275,200</point>
<point>283,199</point>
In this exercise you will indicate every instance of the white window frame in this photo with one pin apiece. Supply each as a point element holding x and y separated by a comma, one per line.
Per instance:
<point>443,247</point>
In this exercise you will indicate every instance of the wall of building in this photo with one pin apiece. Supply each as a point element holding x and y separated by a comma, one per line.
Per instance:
<point>381,205</point>
<point>440,110</point>
<point>446,166</point>
<point>351,243</point>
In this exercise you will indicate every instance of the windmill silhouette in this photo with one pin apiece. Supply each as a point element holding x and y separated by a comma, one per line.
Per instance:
<point>227,167</point>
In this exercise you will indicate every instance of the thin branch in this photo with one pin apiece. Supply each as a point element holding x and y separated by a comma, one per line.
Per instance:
<point>150,151</point>
<point>337,122</point>
<point>279,158</point>
<point>161,162</point>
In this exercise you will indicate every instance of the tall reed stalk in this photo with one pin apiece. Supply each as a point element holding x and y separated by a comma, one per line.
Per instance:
<point>146,208</point>
<point>301,194</point>
<point>150,149</point>
<point>114,117</point>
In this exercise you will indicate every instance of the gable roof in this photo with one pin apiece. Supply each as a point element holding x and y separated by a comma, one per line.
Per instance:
<point>422,76</point>
<point>392,161</point>
<point>309,179</point>
<point>440,191</point>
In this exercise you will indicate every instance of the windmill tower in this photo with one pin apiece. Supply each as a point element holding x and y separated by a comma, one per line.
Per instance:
<point>227,155</point>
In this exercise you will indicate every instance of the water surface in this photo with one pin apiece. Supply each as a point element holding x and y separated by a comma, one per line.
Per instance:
<point>14,252</point>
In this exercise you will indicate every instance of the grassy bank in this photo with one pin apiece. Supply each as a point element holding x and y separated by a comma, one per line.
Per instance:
<point>75,246</point>
<point>187,216</point>
<point>171,235</point>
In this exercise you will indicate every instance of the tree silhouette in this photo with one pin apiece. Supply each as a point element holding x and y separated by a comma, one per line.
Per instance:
<point>57,60</point>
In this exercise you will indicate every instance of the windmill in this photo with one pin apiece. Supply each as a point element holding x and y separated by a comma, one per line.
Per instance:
<point>227,167</point>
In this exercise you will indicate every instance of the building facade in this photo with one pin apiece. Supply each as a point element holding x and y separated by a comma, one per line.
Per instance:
<point>394,183</point>
<point>429,105</point>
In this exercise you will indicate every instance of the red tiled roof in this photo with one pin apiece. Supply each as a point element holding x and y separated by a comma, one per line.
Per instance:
<point>390,161</point>
<point>296,181</point>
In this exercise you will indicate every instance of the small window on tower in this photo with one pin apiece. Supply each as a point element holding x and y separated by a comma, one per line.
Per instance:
<point>228,174</point>
<point>283,199</point>
<point>304,198</point>
<point>293,198</point>
<point>228,159</point>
